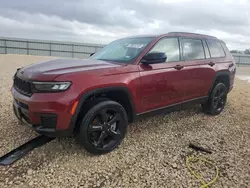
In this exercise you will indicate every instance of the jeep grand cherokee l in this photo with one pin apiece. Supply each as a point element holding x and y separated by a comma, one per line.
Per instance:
<point>95,98</point>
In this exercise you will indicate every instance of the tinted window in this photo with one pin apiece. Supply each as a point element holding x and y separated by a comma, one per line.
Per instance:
<point>224,47</point>
<point>193,49</point>
<point>169,46</point>
<point>206,49</point>
<point>215,48</point>
<point>123,50</point>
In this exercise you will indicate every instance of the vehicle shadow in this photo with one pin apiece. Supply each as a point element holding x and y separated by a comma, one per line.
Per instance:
<point>70,145</point>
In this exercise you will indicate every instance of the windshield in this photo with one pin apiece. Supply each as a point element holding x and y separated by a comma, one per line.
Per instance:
<point>123,50</point>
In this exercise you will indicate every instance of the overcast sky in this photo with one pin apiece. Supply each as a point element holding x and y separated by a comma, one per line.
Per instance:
<point>101,21</point>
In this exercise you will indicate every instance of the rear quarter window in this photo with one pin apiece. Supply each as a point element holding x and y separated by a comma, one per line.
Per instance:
<point>224,46</point>
<point>215,48</point>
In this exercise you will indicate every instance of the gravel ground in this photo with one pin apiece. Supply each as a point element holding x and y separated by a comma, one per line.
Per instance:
<point>153,153</point>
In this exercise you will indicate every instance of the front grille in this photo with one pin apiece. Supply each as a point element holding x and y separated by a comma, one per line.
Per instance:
<point>23,86</point>
<point>48,120</point>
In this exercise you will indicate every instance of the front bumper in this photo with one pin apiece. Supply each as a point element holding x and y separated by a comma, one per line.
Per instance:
<point>47,114</point>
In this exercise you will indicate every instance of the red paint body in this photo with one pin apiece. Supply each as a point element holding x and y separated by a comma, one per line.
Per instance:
<point>150,86</point>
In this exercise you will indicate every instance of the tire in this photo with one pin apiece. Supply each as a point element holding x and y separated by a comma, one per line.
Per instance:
<point>103,127</point>
<point>217,100</point>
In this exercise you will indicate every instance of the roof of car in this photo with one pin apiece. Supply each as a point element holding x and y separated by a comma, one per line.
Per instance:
<point>186,34</point>
<point>135,36</point>
<point>178,34</point>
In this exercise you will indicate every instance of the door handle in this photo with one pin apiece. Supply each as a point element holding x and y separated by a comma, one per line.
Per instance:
<point>211,63</point>
<point>179,67</point>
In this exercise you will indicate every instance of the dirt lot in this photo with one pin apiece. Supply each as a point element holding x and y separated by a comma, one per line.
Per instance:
<point>243,73</point>
<point>152,155</point>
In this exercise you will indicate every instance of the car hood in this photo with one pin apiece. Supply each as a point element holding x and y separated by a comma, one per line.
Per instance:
<point>51,69</point>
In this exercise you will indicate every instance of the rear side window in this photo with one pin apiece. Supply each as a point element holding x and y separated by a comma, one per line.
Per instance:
<point>169,46</point>
<point>215,48</point>
<point>192,49</point>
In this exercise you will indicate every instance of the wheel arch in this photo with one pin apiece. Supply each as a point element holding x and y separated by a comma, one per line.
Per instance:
<point>223,76</point>
<point>124,98</point>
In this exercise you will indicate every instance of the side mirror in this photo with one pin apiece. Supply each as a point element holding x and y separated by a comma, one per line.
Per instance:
<point>154,57</point>
<point>91,54</point>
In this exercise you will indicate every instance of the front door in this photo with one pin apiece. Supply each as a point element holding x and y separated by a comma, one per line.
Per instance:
<point>162,83</point>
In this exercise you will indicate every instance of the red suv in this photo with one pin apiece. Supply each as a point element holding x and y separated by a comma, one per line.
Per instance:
<point>95,98</point>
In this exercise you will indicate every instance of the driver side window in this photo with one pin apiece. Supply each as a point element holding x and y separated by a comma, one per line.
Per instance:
<point>169,46</point>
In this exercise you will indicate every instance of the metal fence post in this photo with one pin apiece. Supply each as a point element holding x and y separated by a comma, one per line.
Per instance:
<point>72,51</point>
<point>49,49</point>
<point>28,48</point>
<point>5,46</point>
<point>239,62</point>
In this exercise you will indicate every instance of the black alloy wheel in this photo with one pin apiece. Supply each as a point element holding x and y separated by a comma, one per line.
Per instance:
<point>217,100</point>
<point>103,127</point>
<point>104,130</point>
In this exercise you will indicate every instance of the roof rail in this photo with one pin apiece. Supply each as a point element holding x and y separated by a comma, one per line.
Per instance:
<point>192,34</point>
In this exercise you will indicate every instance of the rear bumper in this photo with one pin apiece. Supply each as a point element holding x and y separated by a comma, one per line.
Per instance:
<point>46,114</point>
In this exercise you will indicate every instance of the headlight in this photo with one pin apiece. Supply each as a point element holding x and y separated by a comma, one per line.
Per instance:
<point>51,86</point>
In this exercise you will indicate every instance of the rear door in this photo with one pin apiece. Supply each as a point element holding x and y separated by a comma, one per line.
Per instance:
<point>162,83</point>
<point>197,73</point>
